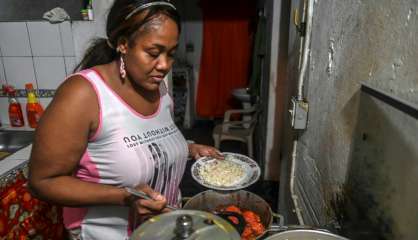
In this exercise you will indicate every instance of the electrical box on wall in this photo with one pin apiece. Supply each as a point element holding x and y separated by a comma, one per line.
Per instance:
<point>299,114</point>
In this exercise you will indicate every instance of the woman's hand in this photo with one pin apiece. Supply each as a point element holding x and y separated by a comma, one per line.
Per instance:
<point>198,150</point>
<point>144,207</point>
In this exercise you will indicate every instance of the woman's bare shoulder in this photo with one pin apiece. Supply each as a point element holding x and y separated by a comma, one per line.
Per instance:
<point>75,86</point>
<point>75,98</point>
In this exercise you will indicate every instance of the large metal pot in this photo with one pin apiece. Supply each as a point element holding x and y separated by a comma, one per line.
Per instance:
<point>211,201</point>
<point>185,224</point>
<point>305,234</point>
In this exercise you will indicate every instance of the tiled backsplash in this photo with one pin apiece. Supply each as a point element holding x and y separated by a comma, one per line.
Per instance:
<point>40,53</point>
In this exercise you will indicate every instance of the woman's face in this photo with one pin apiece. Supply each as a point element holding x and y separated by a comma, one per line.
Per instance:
<point>151,56</point>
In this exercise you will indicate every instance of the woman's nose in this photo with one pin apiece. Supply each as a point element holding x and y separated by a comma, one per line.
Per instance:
<point>164,63</point>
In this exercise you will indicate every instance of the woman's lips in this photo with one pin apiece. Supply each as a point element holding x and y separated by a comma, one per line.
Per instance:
<point>157,78</point>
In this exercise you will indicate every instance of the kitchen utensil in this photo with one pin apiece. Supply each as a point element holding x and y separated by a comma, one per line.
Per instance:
<point>211,200</point>
<point>250,167</point>
<point>143,195</point>
<point>185,224</point>
<point>239,226</point>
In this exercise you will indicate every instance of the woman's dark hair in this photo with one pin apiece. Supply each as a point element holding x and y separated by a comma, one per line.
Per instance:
<point>103,50</point>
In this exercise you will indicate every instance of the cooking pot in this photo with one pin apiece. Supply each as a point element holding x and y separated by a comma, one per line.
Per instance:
<point>304,234</point>
<point>185,224</point>
<point>212,201</point>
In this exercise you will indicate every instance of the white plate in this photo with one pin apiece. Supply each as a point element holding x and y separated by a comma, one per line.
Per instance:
<point>250,167</point>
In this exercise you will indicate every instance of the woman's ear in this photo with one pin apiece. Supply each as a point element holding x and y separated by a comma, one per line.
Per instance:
<point>122,46</point>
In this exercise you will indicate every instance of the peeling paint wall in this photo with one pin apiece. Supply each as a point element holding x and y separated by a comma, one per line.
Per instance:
<point>358,41</point>
<point>380,189</point>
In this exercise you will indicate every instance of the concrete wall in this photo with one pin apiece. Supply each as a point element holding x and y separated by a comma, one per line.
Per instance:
<point>191,35</point>
<point>358,41</point>
<point>380,189</point>
<point>85,31</point>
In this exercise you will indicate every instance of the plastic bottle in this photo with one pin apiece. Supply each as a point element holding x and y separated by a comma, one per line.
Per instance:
<point>90,10</point>
<point>84,14</point>
<point>15,109</point>
<point>34,109</point>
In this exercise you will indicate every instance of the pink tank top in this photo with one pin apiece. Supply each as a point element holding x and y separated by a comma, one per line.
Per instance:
<point>128,149</point>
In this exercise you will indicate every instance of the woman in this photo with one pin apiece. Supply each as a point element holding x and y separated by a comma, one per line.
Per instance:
<point>110,127</point>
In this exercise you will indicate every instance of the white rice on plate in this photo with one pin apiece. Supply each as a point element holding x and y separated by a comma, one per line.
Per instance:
<point>222,172</point>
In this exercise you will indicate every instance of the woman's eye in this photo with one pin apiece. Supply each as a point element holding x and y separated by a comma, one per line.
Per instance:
<point>172,54</point>
<point>154,54</point>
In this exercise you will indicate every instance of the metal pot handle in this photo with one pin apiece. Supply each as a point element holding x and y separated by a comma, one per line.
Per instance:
<point>279,217</point>
<point>185,199</point>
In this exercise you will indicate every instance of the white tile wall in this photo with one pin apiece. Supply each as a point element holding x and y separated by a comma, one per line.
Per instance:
<point>23,102</point>
<point>36,52</point>
<point>14,39</point>
<point>69,64</point>
<point>67,39</point>
<point>45,39</point>
<point>45,102</point>
<point>19,71</point>
<point>50,71</point>
<point>2,76</point>
<point>4,110</point>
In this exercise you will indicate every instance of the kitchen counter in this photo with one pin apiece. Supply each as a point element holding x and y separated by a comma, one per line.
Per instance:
<point>7,127</point>
<point>15,161</point>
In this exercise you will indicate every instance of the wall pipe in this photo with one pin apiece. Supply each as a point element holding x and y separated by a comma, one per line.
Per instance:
<point>306,47</point>
<point>304,54</point>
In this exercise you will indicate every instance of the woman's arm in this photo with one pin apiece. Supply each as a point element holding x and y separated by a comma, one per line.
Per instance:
<point>60,140</point>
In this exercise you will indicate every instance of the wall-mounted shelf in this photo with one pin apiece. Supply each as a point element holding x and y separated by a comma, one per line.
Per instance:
<point>30,10</point>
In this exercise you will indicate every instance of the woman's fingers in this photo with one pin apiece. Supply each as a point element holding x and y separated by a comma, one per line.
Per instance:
<point>211,152</point>
<point>217,154</point>
<point>150,192</point>
<point>152,205</point>
<point>203,150</point>
<point>142,210</point>
<point>166,210</point>
<point>145,206</point>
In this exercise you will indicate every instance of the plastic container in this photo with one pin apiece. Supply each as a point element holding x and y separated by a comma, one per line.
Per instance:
<point>34,109</point>
<point>15,109</point>
<point>84,14</point>
<point>90,10</point>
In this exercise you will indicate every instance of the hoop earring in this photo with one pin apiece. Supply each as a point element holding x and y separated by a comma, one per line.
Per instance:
<point>122,69</point>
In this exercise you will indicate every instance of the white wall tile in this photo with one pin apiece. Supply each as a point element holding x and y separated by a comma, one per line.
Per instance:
<point>67,39</point>
<point>2,76</point>
<point>45,39</point>
<point>45,102</point>
<point>23,102</point>
<point>50,71</point>
<point>14,39</point>
<point>19,71</point>
<point>69,64</point>
<point>4,110</point>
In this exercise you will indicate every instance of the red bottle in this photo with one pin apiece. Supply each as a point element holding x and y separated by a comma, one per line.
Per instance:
<point>34,109</point>
<point>15,109</point>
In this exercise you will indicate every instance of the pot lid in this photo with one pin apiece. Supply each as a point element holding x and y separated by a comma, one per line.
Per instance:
<point>185,224</point>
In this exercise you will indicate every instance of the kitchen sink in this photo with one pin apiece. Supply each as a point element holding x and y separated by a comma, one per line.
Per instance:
<point>12,141</point>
